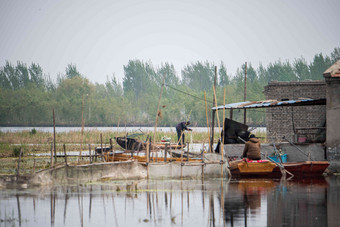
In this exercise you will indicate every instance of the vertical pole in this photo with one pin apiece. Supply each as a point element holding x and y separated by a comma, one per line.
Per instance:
<point>101,145</point>
<point>157,114</point>
<point>90,154</point>
<point>52,154</point>
<point>166,152</point>
<point>82,128</point>
<point>188,152</point>
<point>213,116</point>
<point>19,161</point>
<point>111,148</point>
<point>55,150</point>
<point>245,93</point>
<point>206,114</point>
<point>65,154</point>
<point>222,139</point>
<point>147,157</point>
<point>33,171</point>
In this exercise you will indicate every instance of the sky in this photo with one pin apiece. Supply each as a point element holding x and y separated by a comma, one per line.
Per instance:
<point>101,36</point>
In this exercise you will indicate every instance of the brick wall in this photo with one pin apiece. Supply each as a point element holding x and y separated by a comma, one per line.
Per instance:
<point>288,121</point>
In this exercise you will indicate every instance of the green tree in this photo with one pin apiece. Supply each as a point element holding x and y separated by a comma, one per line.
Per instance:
<point>335,55</point>
<point>72,71</point>
<point>301,69</point>
<point>318,66</point>
<point>198,76</point>
<point>223,76</point>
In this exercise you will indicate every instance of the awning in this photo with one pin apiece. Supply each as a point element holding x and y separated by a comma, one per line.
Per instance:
<point>272,103</point>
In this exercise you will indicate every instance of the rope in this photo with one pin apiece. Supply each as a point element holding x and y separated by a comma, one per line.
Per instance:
<point>187,93</point>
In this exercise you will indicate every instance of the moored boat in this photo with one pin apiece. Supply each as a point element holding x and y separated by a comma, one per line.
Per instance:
<point>266,168</point>
<point>135,144</point>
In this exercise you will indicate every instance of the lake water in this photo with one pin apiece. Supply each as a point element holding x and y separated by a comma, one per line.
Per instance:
<point>113,129</point>
<point>209,202</point>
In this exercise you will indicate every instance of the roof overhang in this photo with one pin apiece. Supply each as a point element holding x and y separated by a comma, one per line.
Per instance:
<point>272,103</point>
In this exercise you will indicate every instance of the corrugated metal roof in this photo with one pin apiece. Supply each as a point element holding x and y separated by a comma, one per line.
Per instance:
<point>272,103</point>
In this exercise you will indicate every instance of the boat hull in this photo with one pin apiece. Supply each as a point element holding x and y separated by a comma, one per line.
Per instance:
<point>271,170</point>
<point>138,145</point>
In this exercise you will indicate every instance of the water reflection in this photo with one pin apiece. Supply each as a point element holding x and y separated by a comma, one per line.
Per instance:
<point>209,202</point>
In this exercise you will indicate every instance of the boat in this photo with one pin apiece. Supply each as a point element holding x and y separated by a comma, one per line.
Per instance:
<point>135,144</point>
<point>267,168</point>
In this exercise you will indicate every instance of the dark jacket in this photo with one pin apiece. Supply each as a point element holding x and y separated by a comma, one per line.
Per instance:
<point>181,127</point>
<point>252,149</point>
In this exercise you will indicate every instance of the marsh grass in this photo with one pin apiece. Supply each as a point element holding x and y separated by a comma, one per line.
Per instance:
<point>40,142</point>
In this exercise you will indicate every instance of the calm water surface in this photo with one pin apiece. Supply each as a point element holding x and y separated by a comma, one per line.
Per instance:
<point>212,202</point>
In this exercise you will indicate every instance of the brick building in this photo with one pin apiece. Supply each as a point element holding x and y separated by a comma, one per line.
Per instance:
<point>298,123</point>
<point>332,78</point>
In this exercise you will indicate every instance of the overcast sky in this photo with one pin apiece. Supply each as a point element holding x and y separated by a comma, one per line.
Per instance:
<point>101,36</point>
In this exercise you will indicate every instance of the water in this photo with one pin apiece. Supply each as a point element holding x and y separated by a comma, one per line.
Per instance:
<point>212,202</point>
<point>113,129</point>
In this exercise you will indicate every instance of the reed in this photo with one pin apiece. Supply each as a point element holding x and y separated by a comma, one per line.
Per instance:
<point>41,141</point>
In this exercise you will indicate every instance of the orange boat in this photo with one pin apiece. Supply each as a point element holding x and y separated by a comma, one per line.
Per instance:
<point>266,168</point>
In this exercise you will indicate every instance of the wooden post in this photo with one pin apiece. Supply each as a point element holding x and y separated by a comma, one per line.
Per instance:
<point>52,154</point>
<point>82,129</point>
<point>19,161</point>
<point>188,152</point>
<point>223,132</point>
<point>90,154</point>
<point>147,157</point>
<point>245,94</point>
<point>111,148</point>
<point>170,154</point>
<point>223,126</point>
<point>101,146</point>
<point>231,114</point>
<point>213,117</point>
<point>156,121</point>
<point>166,152</point>
<point>206,114</point>
<point>65,154</point>
<point>34,165</point>
<point>55,149</point>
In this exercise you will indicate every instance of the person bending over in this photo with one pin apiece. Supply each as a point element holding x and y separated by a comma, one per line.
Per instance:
<point>180,128</point>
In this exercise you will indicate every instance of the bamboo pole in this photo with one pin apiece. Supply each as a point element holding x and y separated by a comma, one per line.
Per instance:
<point>54,142</point>
<point>65,154</point>
<point>33,170</point>
<point>213,116</point>
<point>82,129</point>
<point>218,119</point>
<point>101,146</point>
<point>52,155</point>
<point>245,94</point>
<point>222,140</point>
<point>19,161</point>
<point>147,157</point>
<point>156,121</point>
<point>188,152</point>
<point>223,127</point>
<point>207,116</point>
<point>90,154</point>
<point>113,153</point>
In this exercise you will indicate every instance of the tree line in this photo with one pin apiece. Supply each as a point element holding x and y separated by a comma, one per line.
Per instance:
<point>28,96</point>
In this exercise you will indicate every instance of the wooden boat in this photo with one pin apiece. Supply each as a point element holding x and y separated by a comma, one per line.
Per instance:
<point>266,168</point>
<point>135,144</point>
